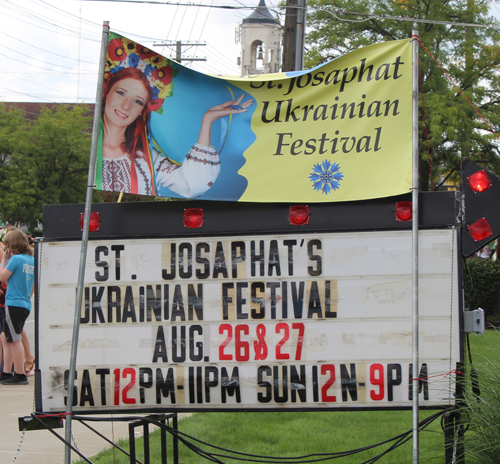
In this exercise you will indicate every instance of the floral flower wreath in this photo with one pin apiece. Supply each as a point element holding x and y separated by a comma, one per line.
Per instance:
<point>123,53</point>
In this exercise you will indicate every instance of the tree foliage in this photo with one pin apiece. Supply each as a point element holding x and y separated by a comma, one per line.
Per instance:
<point>452,128</point>
<point>482,287</point>
<point>44,161</point>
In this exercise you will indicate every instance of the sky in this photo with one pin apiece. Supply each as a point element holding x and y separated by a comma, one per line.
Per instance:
<point>49,49</point>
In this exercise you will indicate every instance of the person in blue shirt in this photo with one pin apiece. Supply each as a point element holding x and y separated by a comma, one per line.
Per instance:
<point>18,270</point>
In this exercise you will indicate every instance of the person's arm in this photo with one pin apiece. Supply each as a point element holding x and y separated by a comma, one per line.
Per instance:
<point>218,112</point>
<point>194,177</point>
<point>4,272</point>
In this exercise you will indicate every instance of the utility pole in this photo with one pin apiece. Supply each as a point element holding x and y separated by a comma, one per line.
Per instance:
<point>293,36</point>
<point>178,49</point>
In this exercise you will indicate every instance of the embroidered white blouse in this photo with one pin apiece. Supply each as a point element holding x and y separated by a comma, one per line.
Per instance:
<point>194,177</point>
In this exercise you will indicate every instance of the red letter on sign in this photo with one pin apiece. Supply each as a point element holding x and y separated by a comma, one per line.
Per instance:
<point>325,397</point>
<point>125,374</point>
<point>377,378</point>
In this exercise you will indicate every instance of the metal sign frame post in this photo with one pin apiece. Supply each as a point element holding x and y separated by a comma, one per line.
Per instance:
<point>85,239</point>
<point>415,383</point>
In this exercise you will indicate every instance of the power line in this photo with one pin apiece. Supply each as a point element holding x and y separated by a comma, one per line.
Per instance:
<point>224,7</point>
<point>44,50</point>
<point>370,16</point>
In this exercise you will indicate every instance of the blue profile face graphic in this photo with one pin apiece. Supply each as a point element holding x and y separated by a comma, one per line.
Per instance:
<point>177,129</point>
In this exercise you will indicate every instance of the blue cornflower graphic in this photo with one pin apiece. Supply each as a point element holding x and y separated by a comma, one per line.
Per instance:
<point>326,176</point>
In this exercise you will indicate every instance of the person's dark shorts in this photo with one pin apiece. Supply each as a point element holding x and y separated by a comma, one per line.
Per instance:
<point>15,317</point>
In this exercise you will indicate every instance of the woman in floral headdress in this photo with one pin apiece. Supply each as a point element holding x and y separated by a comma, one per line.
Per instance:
<point>137,81</point>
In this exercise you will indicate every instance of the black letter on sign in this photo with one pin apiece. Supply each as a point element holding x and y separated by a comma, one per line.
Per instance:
<point>205,273</point>
<point>258,300</point>
<point>391,381</point>
<point>257,258</point>
<point>102,373</point>
<point>160,346</point>
<point>298,384</point>
<point>104,276</point>
<point>195,355</point>
<point>86,313</point>
<point>312,257</point>
<point>165,386</point>
<point>298,299</point>
<point>75,390</point>
<point>164,273</point>
<point>195,302</point>
<point>176,343</point>
<point>210,371</point>
<point>143,383</point>
<point>290,244</point>
<point>273,286</point>
<point>348,382</point>
<point>178,305</point>
<point>96,304</point>
<point>240,301</point>
<point>315,384</point>
<point>128,305</point>
<point>86,394</point>
<point>274,259</point>
<point>261,398</point>
<point>117,249</point>
<point>226,299</point>
<point>153,303</point>
<point>314,302</point>
<point>114,303</point>
<point>237,258</point>
<point>185,272</point>
<point>284,397</point>
<point>230,386</point>
<point>423,382</point>
<point>220,262</point>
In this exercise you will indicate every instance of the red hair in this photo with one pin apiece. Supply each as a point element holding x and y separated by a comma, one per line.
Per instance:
<point>135,133</point>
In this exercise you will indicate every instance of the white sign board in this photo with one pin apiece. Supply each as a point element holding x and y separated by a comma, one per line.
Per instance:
<point>306,321</point>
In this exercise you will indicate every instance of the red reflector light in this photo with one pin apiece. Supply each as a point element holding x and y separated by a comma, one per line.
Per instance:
<point>298,215</point>
<point>479,181</point>
<point>480,230</point>
<point>193,218</point>
<point>94,223</point>
<point>404,211</point>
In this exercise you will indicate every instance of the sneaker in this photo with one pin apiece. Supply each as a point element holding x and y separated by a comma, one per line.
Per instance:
<point>16,379</point>
<point>4,376</point>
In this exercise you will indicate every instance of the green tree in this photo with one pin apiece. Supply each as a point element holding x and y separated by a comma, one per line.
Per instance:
<point>471,56</point>
<point>45,161</point>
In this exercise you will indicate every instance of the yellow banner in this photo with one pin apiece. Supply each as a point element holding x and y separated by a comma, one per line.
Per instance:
<point>340,132</point>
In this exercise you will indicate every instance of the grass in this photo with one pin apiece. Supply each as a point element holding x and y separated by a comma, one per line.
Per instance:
<point>290,434</point>
<point>482,413</point>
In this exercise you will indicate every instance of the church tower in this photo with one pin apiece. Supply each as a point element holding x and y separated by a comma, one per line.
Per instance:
<point>260,37</point>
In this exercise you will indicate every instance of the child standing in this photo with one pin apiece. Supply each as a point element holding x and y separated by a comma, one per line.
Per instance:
<point>18,270</point>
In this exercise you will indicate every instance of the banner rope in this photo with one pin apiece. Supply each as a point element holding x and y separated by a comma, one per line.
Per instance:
<point>453,371</point>
<point>416,37</point>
